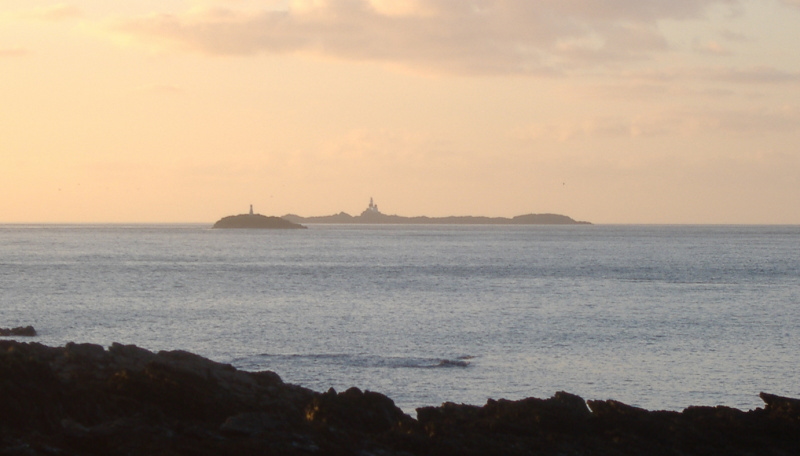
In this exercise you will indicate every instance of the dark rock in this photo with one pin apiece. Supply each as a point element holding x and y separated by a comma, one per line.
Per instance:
<point>20,331</point>
<point>563,412</point>
<point>81,399</point>
<point>84,352</point>
<point>784,407</point>
<point>367,411</point>
<point>250,424</point>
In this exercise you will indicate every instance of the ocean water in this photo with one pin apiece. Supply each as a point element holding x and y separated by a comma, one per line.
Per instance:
<point>660,317</point>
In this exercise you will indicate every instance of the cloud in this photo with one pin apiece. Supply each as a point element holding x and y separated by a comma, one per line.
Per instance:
<point>730,35</point>
<point>759,75</point>
<point>756,75</point>
<point>381,148</point>
<point>460,36</point>
<point>711,48</point>
<point>57,12</point>
<point>670,123</point>
<point>13,52</point>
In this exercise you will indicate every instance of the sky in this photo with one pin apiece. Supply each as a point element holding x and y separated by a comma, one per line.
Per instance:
<point>613,111</point>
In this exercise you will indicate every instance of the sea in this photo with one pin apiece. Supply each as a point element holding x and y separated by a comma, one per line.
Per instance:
<point>655,316</point>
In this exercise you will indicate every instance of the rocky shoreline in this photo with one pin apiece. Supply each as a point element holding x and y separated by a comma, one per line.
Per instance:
<point>83,399</point>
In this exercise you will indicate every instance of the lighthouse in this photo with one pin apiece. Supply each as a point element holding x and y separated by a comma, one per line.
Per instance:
<point>372,206</point>
<point>251,209</point>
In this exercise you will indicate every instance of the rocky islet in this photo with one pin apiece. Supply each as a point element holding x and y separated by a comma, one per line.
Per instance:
<point>19,331</point>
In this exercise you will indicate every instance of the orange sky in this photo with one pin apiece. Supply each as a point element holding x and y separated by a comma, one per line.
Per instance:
<point>620,111</point>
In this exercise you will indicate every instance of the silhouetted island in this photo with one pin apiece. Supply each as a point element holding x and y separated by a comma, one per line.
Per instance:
<point>256,221</point>
<point>83,399</point>
<point>372,215</point>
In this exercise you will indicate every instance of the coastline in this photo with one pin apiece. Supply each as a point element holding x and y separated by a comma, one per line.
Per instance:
<point>377,218</point>
<point>87,399</point>
<point>373,216</point>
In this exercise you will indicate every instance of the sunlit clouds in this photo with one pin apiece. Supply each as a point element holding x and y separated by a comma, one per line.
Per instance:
<point>469,37</point>
<point>57,12</point>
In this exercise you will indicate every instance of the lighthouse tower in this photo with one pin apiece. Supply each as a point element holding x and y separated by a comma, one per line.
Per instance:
<point>251,209</point>
<point>372,206</point>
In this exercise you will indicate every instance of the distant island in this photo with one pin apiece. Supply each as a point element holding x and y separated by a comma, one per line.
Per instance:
<point>372,215</point>
<point>256,221</point>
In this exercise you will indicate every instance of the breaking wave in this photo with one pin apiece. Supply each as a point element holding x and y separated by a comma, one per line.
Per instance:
<point>269,361</point>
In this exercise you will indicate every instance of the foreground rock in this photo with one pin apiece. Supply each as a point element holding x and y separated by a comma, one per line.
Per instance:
<point>82,399</point>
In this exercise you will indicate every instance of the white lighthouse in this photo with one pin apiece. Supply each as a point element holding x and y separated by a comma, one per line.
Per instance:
<point>372,206</point>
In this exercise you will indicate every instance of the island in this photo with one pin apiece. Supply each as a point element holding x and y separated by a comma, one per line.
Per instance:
<point>85,399</point>
<point>256,221</point>
<point>371,215</point>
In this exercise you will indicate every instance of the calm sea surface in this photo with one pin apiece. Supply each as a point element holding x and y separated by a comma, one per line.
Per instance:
<point>660,317</point>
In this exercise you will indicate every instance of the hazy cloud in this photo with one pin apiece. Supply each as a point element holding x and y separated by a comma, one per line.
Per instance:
<point>13,52</point>
<point>754,75</point>
<point>472,36</point>
<point>758,75</point>
<point>382,148</point>
<point>671,123</point>
<point>53,13</point>
<point>730,35</point>
<point>711,48</point>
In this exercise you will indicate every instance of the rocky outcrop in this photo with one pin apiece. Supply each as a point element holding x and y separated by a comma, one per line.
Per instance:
<point>256,221</point>
<point>545,219</point>
<point>83,399</point>
<point>20,331</point>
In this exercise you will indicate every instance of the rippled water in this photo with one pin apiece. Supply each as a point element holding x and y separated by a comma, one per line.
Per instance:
<point>656,316</point>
